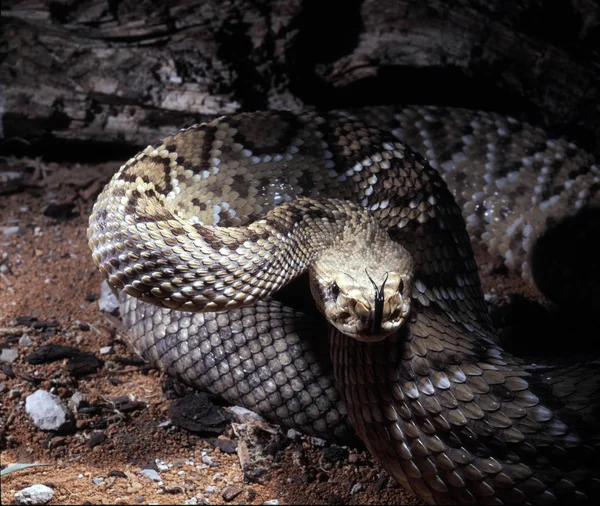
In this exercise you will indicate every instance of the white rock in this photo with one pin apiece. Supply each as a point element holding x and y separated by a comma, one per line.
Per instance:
<point>151,474</point>
<point>293,434</point>
<point>357,487</point>
<point>12,230</point>
<point>47,411</point>
<point>36,494</point>
<point>25,340</point>
<point>108,301</point>
<point>8,355</point>
<point>272,502</point>
<point>317,441</point>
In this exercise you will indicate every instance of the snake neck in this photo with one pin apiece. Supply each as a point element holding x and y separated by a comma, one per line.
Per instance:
<point>454,418</point>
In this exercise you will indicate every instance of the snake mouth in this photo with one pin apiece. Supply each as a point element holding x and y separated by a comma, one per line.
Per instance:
<point>364,324</point>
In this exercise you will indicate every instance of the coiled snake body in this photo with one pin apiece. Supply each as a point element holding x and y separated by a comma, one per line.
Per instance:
<point>201,230</point>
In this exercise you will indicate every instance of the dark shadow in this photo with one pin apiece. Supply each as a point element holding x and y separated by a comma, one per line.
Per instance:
<point>566,265</point>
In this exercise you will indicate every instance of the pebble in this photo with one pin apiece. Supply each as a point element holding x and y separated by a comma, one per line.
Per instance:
<point>96,439</point>
<point>36,494</point>
<point>3,387</point>
<point>105,350</point>
<point>48,411</point>
<point>206,460</point>
<point>293,434</point>
<point>217,476</point>
<point>161,465</point>
<point>8,231</point>
<point>108,300</point>
<point>25,340</point>
<point>151,474</point>
<point>357,487</point>
<point>57,441</point>
<point>8,355</point>
<point>75,401</point>
<point>317,441</point>
<point>273,502</point>
<point>231,492</point>
<point>192,500</point>
<point>97,480</point>
<point>211,489</point>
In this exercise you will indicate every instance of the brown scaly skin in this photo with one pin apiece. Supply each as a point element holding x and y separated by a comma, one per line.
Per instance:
<point>222,215</point>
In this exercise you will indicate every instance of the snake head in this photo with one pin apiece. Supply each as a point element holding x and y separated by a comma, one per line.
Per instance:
<point>357,293</point>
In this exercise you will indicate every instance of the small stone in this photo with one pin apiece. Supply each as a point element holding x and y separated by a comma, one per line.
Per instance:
<point>75,401</point>
<point>226,445</point>
<point>139,499</point>
<point>293,434</point>
<point>231,492</point>
<point>8,231</point>
<point>57,441</point>
<point>14,394</point>
<point>192,500</point>
<point>117,474</point>
<point>36,494</point>
<point>211,489</point>
<point>335,453</point>
<point>61,212</point>
<point>272,502</point>
<point>97,480</point>
<point>160,465</point>
<point>108,301</point>
<point>151,474</point>
<point>353,458</point>
<point>357,487</point>
<point>8,355</point>
<point>317,441</point>
<point>96,439</point>
<point>25,341</point>
<point>3,387</point>
<point>206,460</point>
<point>48,412</point>
<point>217,476</point>
<point>105,350</point>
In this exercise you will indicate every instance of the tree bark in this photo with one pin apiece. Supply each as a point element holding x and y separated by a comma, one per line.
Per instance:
<point>136,70</point>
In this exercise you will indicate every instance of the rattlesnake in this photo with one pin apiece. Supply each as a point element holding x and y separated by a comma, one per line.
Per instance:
<point>220,216</point>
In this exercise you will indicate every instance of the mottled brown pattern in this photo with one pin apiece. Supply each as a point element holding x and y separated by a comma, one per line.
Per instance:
<point>256,199</point>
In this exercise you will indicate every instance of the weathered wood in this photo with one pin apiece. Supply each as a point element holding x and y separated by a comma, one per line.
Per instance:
<point>135,70</point>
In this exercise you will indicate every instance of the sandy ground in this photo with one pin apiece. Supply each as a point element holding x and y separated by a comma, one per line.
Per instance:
<point>47,275</point>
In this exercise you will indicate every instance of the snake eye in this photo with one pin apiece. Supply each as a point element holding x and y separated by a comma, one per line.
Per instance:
<point>335,289</point>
